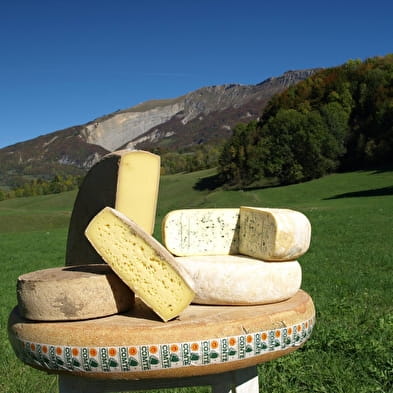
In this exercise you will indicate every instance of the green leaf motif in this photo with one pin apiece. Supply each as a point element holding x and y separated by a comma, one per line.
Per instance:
<point>93,363</point>
<point>249,348</point>
<point>59,361</point>
<point>132,362</point>
<point>194,356</point>
<point>174,358</point>
<point>75,362</point>
<point>213,355</point>
<point>154,360</point>
<point>263,346</point>
<point>232,352</point>
<point>112,362</point>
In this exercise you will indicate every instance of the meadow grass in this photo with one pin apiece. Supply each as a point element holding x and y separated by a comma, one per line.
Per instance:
<point>347,271</point>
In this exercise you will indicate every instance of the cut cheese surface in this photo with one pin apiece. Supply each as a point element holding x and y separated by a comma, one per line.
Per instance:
<point>141,262</point>
<point>126,180</point>
<point>72,293</point>
<point>240,280</point>
<point>273,234</point>
<point>189,232</point>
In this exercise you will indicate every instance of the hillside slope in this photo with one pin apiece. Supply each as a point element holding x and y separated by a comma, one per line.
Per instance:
<point>202,116</point>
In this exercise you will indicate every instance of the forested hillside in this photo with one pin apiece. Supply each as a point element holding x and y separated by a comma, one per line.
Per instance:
<point>340,118</point>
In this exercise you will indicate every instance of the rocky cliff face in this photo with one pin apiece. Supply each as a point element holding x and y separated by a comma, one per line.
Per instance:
<point>202,116</point>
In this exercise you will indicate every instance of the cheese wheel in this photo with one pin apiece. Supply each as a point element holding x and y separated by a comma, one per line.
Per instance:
<point>141,262</point>
<point>273,234</point>
<point>72,293</point>
<point>189,232</point>
<point>126,180</point>
<point>240,280</point>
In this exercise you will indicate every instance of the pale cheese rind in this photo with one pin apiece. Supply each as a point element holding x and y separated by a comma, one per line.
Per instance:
<point>127,180</point>
<point>273,234</point>
<point>72,293</point>
<point>189,232</point>
<point>141,262</point>
<point>240,280</point>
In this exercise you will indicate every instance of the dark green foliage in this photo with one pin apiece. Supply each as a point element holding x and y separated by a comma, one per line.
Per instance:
<point>43,187</point>
<point>339,118</point>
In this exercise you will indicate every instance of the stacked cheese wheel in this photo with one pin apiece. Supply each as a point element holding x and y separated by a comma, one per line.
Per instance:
<point>208,256</point>
<point>239,256</point>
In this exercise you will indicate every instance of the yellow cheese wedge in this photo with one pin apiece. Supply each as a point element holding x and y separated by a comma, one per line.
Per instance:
<point>189,232</point>
<point>141,262</point>
<point>273,234</point>
<point>72,293</point>
<point>126,180</point>
<point>241,280</point>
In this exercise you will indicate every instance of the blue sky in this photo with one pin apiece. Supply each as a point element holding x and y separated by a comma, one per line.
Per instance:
<point>64,63</point>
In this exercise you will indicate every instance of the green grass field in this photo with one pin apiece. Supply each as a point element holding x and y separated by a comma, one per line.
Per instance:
<point>347,271</point>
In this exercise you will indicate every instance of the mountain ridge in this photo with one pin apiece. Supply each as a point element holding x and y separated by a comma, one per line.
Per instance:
<point>205,115</point>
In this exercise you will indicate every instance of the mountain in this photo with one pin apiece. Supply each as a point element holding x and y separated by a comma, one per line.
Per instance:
<point>206,115</point>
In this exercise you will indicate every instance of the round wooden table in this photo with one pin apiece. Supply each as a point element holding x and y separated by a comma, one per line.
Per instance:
<point>215,345</point>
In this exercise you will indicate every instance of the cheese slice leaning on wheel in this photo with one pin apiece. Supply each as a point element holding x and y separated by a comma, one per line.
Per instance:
<point>240,280</point>
<point>273,234</point>
<point>141,262</point>
<point>126,180</point>
<point>72,293</point>
<point>189,232</point>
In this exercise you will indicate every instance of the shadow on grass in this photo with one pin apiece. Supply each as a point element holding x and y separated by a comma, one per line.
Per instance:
<point>365,193</point>
<point>208,183</point>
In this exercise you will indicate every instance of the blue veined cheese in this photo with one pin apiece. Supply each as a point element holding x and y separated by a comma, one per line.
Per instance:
<point>201,231</point>
<point>273,234</point>
<point>241,280</point>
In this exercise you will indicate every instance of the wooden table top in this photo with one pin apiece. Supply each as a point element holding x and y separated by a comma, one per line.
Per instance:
<point>137,344</point>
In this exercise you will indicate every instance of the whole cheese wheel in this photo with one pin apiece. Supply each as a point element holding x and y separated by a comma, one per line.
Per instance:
<point>141,262</point>
<point>240,280</point>
<point>72,293</point>
<point>188,232</point>
<point>273,234</point>
<point>126,180</point>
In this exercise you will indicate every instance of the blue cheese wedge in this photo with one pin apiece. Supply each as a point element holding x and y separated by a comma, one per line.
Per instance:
<point>240,280</point>
<point>273,234</point>
<point>201,231</point>
<point>141,262</point>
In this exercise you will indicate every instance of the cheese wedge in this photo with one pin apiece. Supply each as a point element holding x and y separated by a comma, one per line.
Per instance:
<point>71,293</point>
<point>273,234</point>
<point>141,262</point>
<point>126,180</point>
<point>201,231</point>
<point>240,280</point>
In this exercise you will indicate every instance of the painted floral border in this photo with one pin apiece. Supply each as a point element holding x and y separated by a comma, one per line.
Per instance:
<point>160,356</point>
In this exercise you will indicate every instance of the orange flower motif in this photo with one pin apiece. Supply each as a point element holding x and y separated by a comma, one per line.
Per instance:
<point>194,346</point>
<point>132,351</point>
<point>44,349</point>
<point>153,349</point>
<point>306,325</point>
<point>75,351</point>
<point>299,328</point>
<point>174,348</point>
<point>278,333</point>
<point>289,331</point>
<point>32,346</point>
<point>264,336</point>
<point>112,351</point>
<point>214,344</point>
<point>249,339</point>
<point>232,341</point>
<point>93,352</point>
<point>58,351</point>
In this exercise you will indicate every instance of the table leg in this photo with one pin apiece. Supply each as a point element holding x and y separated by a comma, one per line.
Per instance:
<point>239,381</point>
